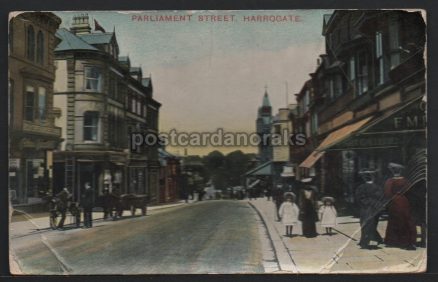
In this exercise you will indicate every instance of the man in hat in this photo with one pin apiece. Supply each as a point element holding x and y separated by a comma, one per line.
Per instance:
<point>369,197</point>
<point>87,204</point>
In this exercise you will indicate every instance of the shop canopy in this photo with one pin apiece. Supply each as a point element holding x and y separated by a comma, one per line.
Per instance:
<point>332,139</point>
<point>262,170</point>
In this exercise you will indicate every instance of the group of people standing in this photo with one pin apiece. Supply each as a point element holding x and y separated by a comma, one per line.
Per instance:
<point>306,211</point>
<point>371,201</point>
<point>86,202</point>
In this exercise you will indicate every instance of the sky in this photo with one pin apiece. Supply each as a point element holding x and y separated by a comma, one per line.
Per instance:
<point>210,75</point>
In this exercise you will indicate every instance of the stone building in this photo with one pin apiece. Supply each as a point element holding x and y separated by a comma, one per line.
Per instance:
<point>364,106</point>
<point>102,100</point>
<point>33,134</point>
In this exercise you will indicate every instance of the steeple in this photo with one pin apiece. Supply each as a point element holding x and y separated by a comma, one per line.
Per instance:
<point>266,102</point>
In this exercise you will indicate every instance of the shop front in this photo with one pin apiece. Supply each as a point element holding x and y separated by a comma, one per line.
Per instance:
<point>396,135</point>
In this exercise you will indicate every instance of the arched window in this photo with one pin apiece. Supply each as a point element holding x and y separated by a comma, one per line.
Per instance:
<point>40,48</point>
<point>30,43</point>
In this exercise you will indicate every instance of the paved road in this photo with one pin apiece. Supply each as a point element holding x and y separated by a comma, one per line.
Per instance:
<point>205,237</point>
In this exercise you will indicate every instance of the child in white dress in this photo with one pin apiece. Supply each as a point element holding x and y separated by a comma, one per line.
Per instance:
<point>289,213</point>
<point>328,215</point>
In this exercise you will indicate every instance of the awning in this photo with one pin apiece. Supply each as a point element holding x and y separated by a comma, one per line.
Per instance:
<point>263,169</point>
<point>312,159</point>
<point>254,183</point>
<point>332,139</point>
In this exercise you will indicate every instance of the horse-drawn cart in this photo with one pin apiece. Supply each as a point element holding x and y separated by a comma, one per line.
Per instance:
<point>114,205</point>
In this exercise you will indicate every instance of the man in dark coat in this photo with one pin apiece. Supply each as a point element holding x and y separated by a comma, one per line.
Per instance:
<point>64,197</point>
<point>369,198</point>
<point>87,204</point>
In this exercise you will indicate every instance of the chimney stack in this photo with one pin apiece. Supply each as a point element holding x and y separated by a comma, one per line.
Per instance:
<point>81,24</point>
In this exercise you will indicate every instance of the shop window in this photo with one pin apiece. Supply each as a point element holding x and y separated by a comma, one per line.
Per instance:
<point>30,43</point>
<point>93,79</point>
<point>40,48</point>
<point>29,106</point>
<point>42,103</point>
<point>91,126</point>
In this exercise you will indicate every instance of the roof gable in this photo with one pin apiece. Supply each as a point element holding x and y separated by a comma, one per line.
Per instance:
<point>69,41</point>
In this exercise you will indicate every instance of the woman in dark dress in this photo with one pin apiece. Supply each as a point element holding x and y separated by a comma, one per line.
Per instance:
<point>308,215</point>
<point>401,230</point>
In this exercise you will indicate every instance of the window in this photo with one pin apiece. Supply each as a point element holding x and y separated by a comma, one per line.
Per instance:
<point>352,71</point>
<point>379,58</point>
<point>362,73</point>
<point>335,86</point>
<point>314,123</point>
<point>145,111</point>
<point>11,36</point>
<point>93,79</point>
<point>91,123</point>
<point>29,106</point>
<point>30,43</point>
<point>139,108</point>
<point>394,43</point>
<point>42,103</point>
<point>11,101</point>
<point>134,105</point>
<point>40,48</point>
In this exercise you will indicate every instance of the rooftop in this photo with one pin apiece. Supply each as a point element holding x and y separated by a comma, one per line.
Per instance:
<point>69,41</point>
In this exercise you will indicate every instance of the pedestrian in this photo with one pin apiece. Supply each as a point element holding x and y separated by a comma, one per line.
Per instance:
<point>268,193</point>
<point>327,214</point>
<point>64,198</point>
<point>87,204</point>
<point>308,214</point>
<point>401,230</point>
<point>107,203</point>
<point>278,200</point>
<point>369,199</point>
<point>289,213</point>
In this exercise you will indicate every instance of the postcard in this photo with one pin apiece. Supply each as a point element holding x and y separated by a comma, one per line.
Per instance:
<point>217,142</point>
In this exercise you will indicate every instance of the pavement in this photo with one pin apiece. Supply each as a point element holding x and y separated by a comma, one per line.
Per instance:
<point>338,253</point>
